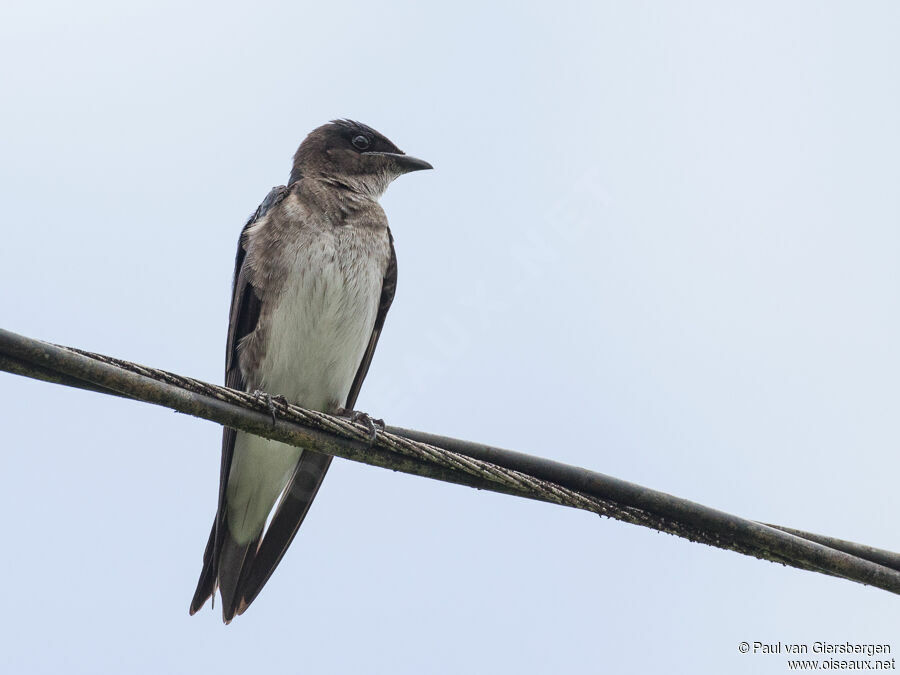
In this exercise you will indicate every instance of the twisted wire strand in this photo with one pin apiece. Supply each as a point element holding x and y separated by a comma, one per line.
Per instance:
<point>451,460</point>
<point>510,478</point>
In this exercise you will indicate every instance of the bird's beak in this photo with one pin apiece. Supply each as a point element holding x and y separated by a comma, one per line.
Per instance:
<point>403,163</point>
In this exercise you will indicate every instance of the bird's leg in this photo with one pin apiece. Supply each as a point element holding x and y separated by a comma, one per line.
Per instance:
<point>370,422</point>
<point>271,401</point>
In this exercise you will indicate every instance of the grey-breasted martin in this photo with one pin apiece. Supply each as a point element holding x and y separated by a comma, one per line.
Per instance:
<point>315,275</point>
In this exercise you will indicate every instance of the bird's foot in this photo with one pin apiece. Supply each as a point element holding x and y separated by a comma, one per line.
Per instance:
<point>271,401</point>
<point>371,423</point>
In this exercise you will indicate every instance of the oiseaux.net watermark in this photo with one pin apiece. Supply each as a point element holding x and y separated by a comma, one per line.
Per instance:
<point>823,655</point>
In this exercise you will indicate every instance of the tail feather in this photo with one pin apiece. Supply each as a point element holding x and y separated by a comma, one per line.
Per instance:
<point>227,570</point>
<point>235,562</point>
<point>206,586</point>
<point>240,571</point>
<point>292,509</point>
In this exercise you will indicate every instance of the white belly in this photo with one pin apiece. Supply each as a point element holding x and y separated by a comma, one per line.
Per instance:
<point>319,332</point>
<point>316,337</point>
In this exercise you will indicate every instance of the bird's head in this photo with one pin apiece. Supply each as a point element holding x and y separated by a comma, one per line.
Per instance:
<point>353,156</point>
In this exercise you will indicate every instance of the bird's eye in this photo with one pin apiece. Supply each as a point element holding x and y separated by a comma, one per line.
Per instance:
<point>360,142</point>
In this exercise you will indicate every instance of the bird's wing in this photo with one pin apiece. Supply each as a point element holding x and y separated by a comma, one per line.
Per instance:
<point>245,309</point>
<point>312,466</point>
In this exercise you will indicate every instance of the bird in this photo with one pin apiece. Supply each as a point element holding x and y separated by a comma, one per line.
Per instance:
<point>315,275</point>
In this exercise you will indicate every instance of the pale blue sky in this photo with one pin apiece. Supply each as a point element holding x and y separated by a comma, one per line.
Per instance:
<point>661,240</point>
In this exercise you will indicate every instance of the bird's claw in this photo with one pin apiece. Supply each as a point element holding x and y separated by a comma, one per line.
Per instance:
<point>271,401</point>
<point>371,423</point>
